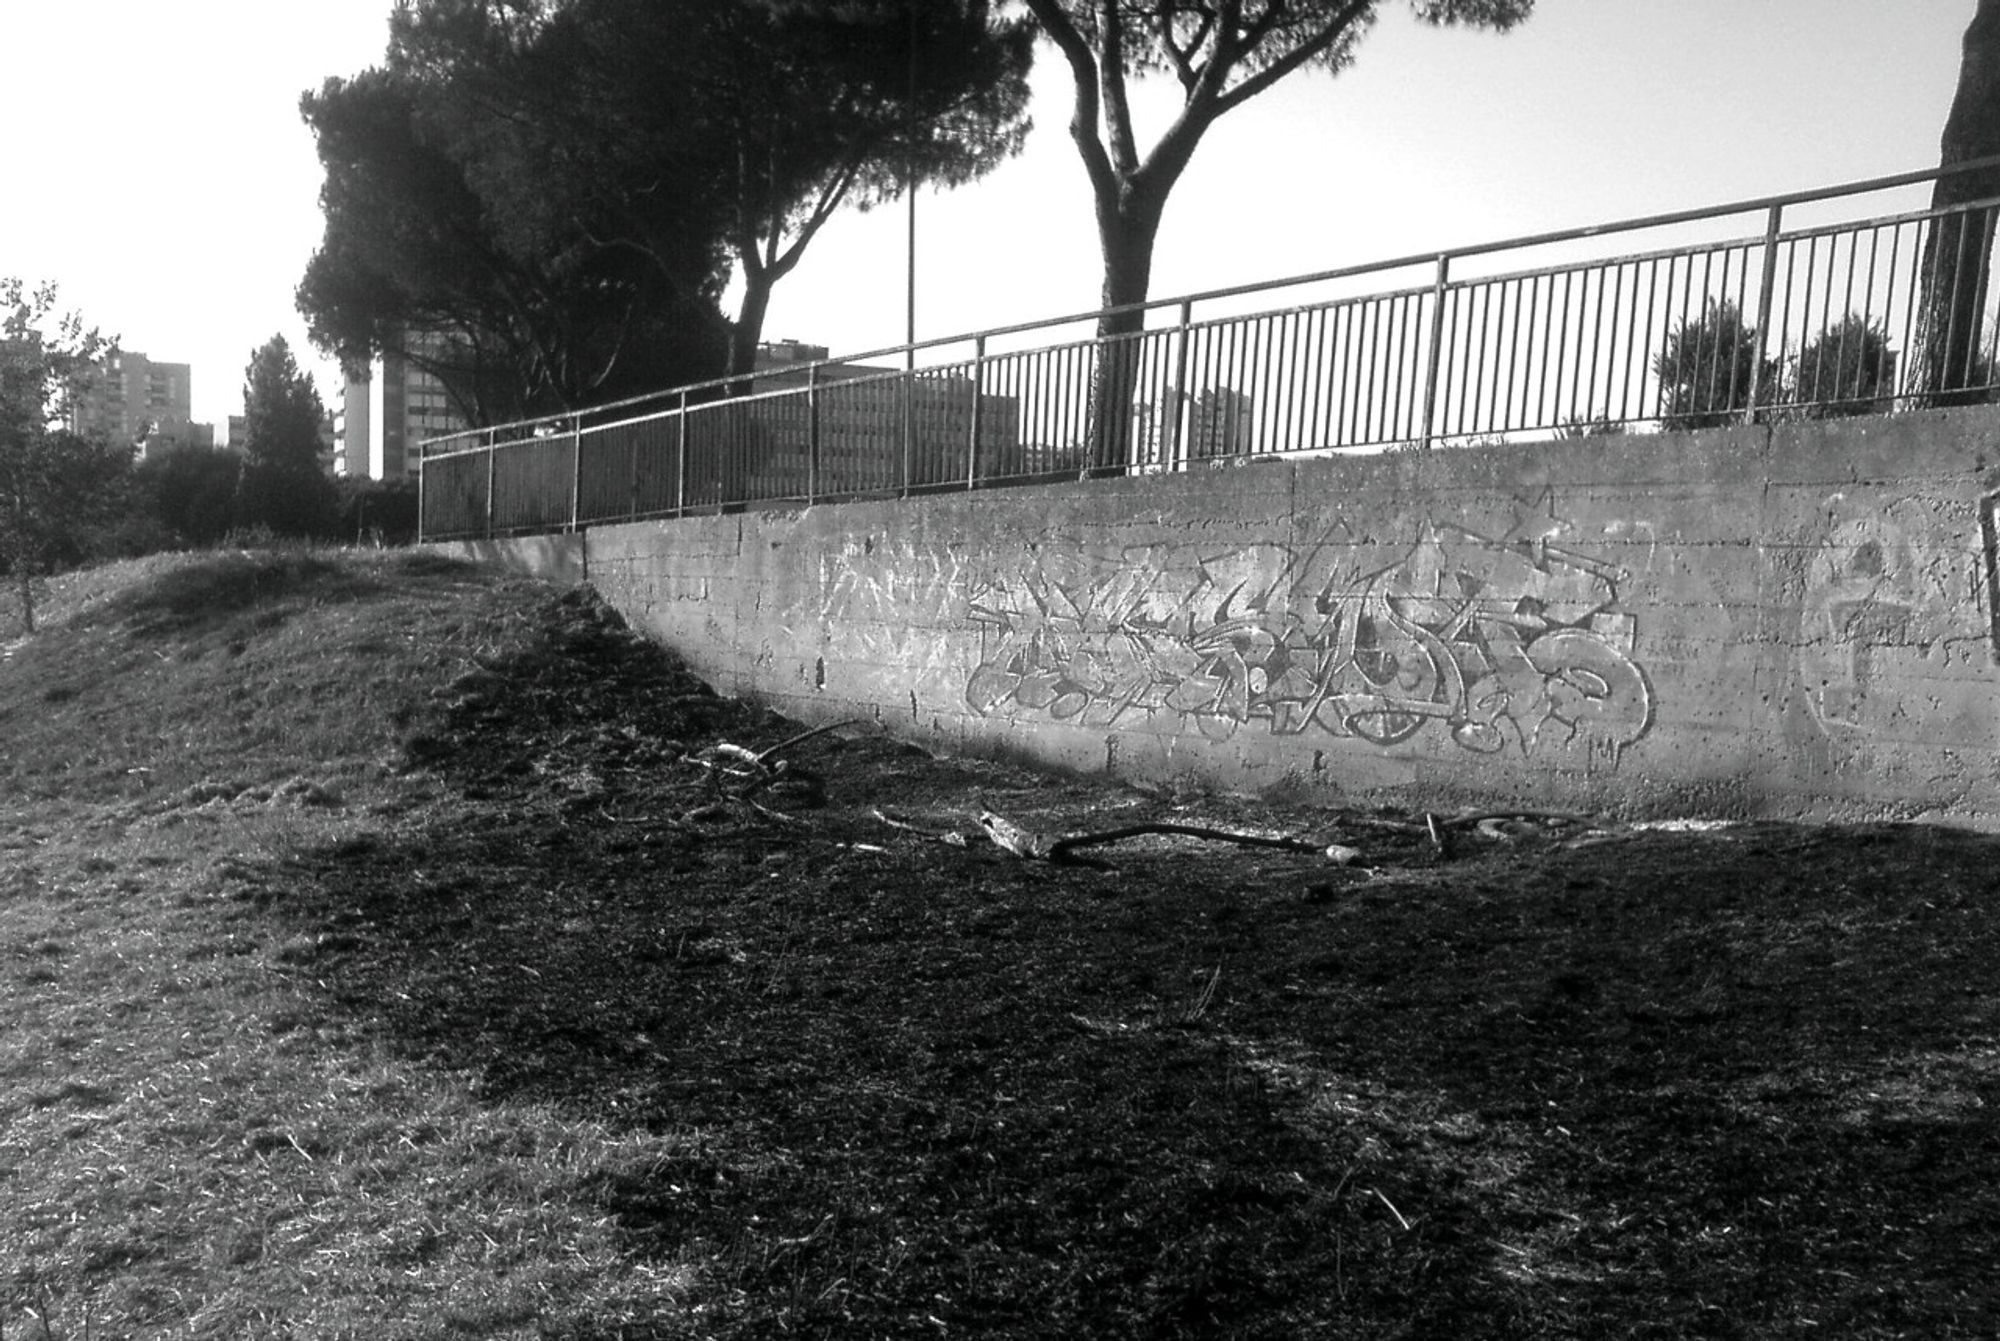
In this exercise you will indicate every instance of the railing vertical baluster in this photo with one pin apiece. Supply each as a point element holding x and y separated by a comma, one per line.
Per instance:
<point>909,415</point>
<point>1433,358</point>
<point>1173,459</point>
<point>576,472</point>
<point>978,394</point>
<point>1764,288</point>
<point>492,453</point>
<point>681,461</point>
<point>812,432</point>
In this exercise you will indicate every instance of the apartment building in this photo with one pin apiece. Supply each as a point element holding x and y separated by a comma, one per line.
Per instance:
<point>142,401</point>
<point>387,412</point>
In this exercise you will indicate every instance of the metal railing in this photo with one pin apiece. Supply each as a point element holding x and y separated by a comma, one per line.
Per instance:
<point>1831,306</point>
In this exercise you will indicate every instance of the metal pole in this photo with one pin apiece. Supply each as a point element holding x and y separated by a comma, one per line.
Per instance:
<point>632,475</point>
<point>909,422</point>
<point>576,472</point>
<point>1435,356</point>
<point>492,452</point>
<point>681,462</point>
<point>812,432</point>
<point>910,252</point>
<point>1172,459</point>
<point>1764,289</point>
<point>978,387</point>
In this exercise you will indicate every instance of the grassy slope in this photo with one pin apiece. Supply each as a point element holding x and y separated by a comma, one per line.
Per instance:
<point>189,1142</point>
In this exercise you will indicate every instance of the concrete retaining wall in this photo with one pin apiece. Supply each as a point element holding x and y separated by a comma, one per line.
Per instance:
<point>1793,621</point>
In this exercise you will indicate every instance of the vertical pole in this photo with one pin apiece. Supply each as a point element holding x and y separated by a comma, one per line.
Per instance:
<point>910,277</point>
<point>681,462</point>
<point>1172,446</point>
<point>1435,357</point>
<point>909,416</point>
<point>575,471</point>
<point>423,469</point>
<point>632,475</point>
<point>492,452</point>
<point>978,386</point>
<point>1764,293</point>
<point>812,432</point>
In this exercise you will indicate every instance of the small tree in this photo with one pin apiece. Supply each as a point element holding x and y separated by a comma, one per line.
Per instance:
<point>53,483</point>
<point>283,486</point>
<point>1848,370</point>
<point>191,491</point>
<point>1709,369</point>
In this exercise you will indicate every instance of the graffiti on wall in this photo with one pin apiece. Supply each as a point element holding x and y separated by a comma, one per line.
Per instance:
<point>1892,584</point>
<point>1494,641</point>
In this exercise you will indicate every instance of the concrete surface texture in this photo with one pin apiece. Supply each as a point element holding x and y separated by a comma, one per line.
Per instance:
<point>1787,620</point>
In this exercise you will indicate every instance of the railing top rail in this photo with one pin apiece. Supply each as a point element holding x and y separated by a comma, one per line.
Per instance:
<point>1865,186</point>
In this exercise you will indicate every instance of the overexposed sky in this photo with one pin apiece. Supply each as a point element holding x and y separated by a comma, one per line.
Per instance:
<point>153,164</point>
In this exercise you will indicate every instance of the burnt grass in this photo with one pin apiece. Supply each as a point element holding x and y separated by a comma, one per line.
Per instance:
<point>1549,1081</point>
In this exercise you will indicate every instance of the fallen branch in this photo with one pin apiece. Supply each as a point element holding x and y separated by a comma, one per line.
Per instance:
<point>1026,842</point>
<point>804,736</point>
<point>741,773</point>
<point>1014,838</point>
<point>951,836</point>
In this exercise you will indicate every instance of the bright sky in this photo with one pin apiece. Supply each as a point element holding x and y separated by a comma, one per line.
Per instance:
<point>155,166</point>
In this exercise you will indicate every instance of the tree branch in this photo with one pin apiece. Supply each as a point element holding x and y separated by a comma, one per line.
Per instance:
<point>1306,52</point>
<point>1083,73</point>
<point>1111,89</point>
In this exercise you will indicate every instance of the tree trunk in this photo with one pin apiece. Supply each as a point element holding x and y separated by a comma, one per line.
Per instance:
<point>1127,236</point>
<point>748,332</point>
<point>1958,251</point>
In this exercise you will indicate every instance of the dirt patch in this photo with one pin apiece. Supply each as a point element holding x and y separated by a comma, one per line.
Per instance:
<point>1526,1079</point>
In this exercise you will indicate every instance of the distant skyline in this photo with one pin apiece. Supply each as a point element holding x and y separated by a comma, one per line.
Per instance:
<point>171,190</point>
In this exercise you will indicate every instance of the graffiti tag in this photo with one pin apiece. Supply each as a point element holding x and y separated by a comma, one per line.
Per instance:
<point>1492,641</point>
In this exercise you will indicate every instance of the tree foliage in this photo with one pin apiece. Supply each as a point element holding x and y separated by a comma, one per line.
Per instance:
<point>804,105</point>
<point>1709,369</point>
<point>449,221</point>
<point>191,492</point>
<point>1222,53</point>
<point>283,485</point>
<point>1848,369</point>
<point>53,483</point>
<point>564,185</point>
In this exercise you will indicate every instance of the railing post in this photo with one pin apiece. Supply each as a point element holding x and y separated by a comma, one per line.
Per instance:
<point>575,472</point>
<point>423,469</point>
<point>909,416</point>
<point>1172,448</point>
<point>632,474</point>
<point>978,389</point>
<point>681,462</point>
<point>1435,356</point>
<point>1765,286</point>
<point>812,432</point>
<point>492,454</point>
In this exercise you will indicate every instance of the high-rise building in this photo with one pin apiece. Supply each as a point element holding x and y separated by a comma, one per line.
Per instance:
<point>387,412</point>
<point>137,400</point>
<point>862,418</point>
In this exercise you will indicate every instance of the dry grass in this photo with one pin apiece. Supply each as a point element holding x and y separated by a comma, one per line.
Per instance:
<point>193,1139</point>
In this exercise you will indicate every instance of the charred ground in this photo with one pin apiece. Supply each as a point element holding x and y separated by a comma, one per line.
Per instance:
<point>1546,1080</point>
